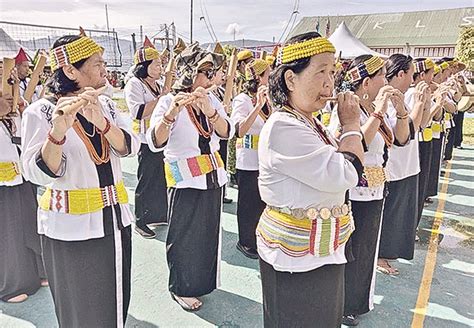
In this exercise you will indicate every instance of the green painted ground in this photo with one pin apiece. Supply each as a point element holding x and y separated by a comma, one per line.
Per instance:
<point>237,303</point>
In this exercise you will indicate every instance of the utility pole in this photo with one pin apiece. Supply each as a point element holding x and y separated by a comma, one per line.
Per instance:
<point>167,37</point>
<point>134,43</point>
<point>107,17</point>
<point>191,22</point>
<point>141,34</point>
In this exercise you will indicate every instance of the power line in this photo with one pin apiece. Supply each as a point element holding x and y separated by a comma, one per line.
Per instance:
<point>206,21</point>
<point>209,20</point>
<point>293,13</point>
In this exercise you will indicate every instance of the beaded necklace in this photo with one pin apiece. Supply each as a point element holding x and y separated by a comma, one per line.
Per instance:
<point>85,137</point>
<point>199,127</point>
<point>383,129</point>
<point>314,125</point>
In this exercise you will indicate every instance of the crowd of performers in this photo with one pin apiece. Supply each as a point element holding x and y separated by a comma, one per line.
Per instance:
<point>333,164</point>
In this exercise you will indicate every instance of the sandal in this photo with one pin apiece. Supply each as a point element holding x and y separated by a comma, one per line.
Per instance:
<point>44,283</point>
<point>384,267</point>
<point>186,306</point>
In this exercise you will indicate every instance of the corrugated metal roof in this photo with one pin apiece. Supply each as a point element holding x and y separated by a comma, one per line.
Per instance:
<point>421,28</point>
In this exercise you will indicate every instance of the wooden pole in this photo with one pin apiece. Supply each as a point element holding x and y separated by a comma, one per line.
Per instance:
<point>229,85</point>
<point>35,77</point>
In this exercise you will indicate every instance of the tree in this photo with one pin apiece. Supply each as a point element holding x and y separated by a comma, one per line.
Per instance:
<point>465,47</point>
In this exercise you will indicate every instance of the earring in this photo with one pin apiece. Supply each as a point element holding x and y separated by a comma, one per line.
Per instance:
<point>365,96</point>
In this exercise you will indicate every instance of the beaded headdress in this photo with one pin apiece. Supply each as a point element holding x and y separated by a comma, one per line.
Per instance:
<point>72,52</point>
<point>437,69</point>
<point>424,65</point>
<point>364,69</point>
<point>304,49</point>
<point>244,54</point>
<point>146,53</point>
<point>255,68</point>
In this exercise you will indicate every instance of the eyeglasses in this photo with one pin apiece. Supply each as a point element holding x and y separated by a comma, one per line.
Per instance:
<point>210,73</point>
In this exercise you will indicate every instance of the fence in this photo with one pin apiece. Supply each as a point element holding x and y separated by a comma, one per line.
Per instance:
<point>41,37</point>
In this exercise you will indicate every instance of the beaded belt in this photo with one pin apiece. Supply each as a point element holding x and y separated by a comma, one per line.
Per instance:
<point>8,171</point>
<point>319,232</point>
<point>373,176</point>
<point>448,120</point>
<point>426,135</point>
<point>188,168</point>
<point>83,201</point>
<point>249,141</point>
<point>140,126</point>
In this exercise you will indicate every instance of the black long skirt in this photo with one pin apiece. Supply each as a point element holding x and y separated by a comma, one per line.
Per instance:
<point>21,267</point>
<point>249,207</point>
<point>360,273</point>
<point>193,242</point>
<point>459,121</point>
<point>426,157</point>
<point>151,200</point>
<point>90,280</point>
<point>307,299</point>
<point>433,180</point>
<point>399,219</point>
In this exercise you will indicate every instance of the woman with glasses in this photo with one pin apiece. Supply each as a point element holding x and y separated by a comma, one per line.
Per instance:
<point>250,111</point>
<point>188,124</point>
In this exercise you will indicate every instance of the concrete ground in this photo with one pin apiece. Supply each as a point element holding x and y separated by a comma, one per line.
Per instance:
<point>433,290</point>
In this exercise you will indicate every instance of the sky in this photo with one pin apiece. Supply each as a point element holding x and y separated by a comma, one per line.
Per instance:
<point>249,19</point>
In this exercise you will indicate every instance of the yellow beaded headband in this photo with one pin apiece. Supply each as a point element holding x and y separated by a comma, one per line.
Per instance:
<point>145,54</point>
<point>444,65</point>
<point>364,69</point>
<point>304,49</point>
<point>424,65</point>
<point>255,68</point>
<point>437,69</point>
<point>73,52</point>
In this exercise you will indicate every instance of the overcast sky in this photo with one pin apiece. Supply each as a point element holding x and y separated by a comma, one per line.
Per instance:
<point>251,19</point>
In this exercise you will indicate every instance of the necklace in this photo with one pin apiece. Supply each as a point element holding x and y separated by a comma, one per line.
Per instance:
<point>314,125</point>
<point>203,132</point>
<point>383,129</point>
<point>104,144</point>
<point>154,91</point>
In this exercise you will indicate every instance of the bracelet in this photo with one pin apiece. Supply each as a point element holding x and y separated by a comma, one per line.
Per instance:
<point>402,117</point>
<point>211,118</point>
<point>107,127</point>
<point>168,120</point>
<point>54,141</point>
<point>351,133</point>
<point>168,124</point>
<point>377,116</point>
<point>214,119</point>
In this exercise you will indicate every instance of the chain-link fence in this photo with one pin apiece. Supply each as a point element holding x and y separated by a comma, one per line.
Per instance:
<point>41,37</point>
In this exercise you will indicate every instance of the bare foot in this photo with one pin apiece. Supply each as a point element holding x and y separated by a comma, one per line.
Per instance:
<point>18,299</point>
<point>384,267</point>
<point>44,283</point>
<point>188,303</point>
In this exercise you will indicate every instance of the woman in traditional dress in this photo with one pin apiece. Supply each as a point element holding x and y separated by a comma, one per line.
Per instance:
<point>304,177</point>
<point>21,267</point>
<point>424,70</point>
<point>195,175</point>
<point>399,220</point>
<point>141,94</point>
<point>250,111</point>
<point>84,217</point>
<point>366,77</point>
